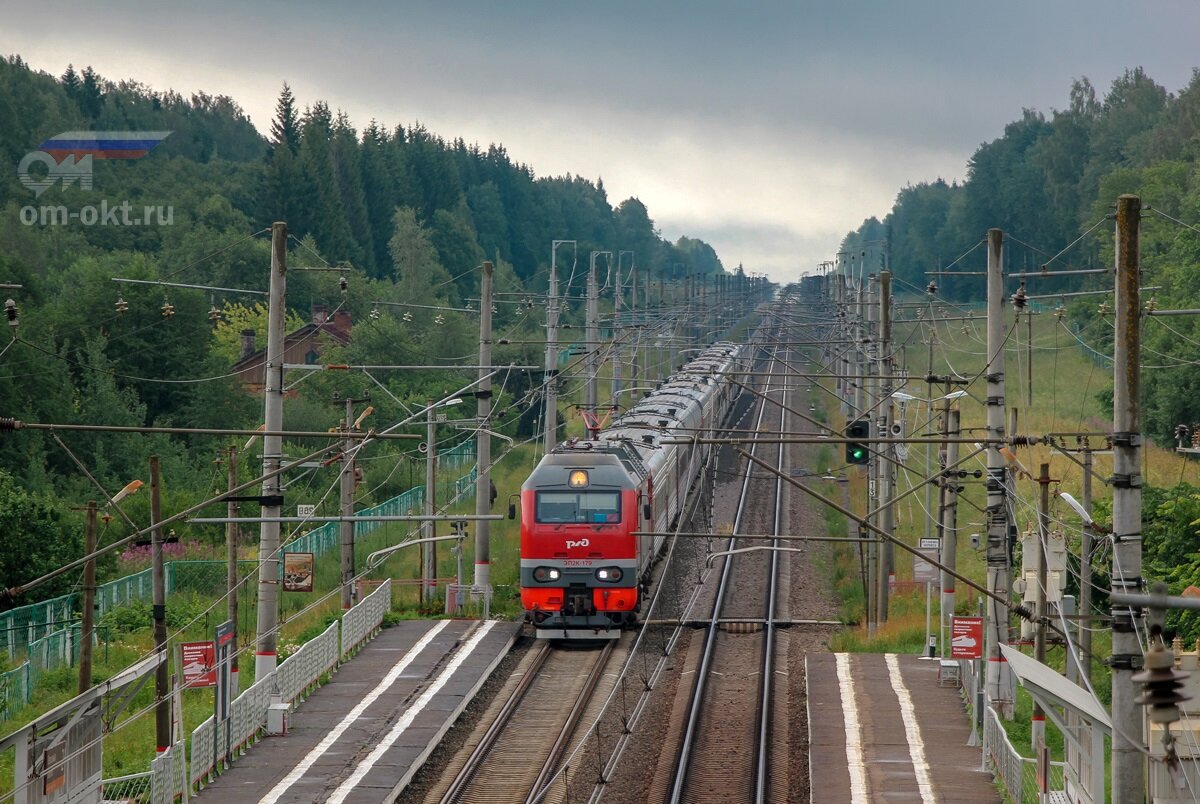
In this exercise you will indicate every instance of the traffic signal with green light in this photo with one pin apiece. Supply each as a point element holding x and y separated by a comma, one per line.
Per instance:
<point>856,451</point>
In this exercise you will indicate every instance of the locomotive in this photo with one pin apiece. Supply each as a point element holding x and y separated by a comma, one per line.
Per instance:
<point>583,569</point>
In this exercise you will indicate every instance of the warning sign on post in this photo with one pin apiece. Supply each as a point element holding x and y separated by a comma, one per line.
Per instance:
<point>199,664</point>
<point>966,638</point>
<point>923,570</point>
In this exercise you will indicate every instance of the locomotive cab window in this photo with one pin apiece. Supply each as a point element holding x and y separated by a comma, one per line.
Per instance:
<point>578,507</point>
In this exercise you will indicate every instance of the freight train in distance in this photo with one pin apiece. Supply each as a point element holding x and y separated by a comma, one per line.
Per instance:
<point>584,572</point>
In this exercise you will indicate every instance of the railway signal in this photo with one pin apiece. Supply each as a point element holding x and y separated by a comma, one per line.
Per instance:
<point>857,452</point>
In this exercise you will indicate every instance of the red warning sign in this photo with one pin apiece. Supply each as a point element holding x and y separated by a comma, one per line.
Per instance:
<point>966,638</point>
<point>198,660</point>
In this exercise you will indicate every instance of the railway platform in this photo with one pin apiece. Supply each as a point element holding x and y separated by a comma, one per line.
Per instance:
<point>882,730</point>
<point>361,737</point>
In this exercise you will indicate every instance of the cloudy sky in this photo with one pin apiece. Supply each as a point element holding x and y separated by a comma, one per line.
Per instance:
<point>767,128</point>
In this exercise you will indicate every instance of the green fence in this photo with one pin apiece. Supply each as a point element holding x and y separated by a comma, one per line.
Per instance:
<point>47,633</point>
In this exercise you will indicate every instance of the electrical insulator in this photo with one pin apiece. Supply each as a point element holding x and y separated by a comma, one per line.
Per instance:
<point>122,305</point>
<point>167,308</point>
<point>375,312</point>
<point>1103,309</point>
<point>214,314</point>
<point>439,319</point>
<point>1181,435</point>
<point>1019,299</point>
<point>408,316</point>
<point>932,289</point>
<point>1160,684</point>
<point>11,313</point>
<point>342,283</point>
<point>1059,312</point>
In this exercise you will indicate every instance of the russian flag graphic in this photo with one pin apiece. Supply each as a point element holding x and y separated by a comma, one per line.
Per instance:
<point>102,144</point>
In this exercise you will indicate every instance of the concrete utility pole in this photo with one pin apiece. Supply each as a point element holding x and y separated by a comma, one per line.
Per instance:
<point>483,442</point>
<point>592,325</point>
<point>999,581</point>
<point>88,615</point>
<point>551,425</point>
<point>1128,764</point>
<point>635,323</point>
<point>162,680</point>
<point>618,331</point>
<point>272,496</point>
<point>885,416</point>
<point>1085,574</point>
<point>429,566</point>
<point>231,572</point>
<point>346,502</point>
<point>870,347</point>
<point>1037,731</point>
<point>949,516</point>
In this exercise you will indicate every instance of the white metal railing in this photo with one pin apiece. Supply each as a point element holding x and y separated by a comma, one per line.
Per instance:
<point>202,754</point>
<point>247,717</point>
<point>1017,774</point>
<point>132,787</point>
<point>362,621</point>
<point>171,773</point>
<point>168,771</point>
<point>300,672</point>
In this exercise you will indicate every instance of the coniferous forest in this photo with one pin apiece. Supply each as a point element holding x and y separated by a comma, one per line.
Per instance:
<point>404,215</point>
<point>1050,181</point>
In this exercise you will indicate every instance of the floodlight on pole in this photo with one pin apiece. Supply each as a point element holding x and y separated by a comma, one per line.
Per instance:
<point>130,488</point>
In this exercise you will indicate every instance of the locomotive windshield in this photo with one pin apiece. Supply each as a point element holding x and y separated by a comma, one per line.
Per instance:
<point>578,507</point>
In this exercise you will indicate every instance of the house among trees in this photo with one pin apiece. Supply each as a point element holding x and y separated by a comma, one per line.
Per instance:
<point>302,346</point>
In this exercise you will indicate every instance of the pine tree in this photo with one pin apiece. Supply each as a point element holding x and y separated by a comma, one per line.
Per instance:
<point>285,128</point>
<point>70,82</point>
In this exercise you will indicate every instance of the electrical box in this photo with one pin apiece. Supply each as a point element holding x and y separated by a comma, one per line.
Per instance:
<point>277,718</point>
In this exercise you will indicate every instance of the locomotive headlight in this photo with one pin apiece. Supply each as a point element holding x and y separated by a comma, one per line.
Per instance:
<point>545,574</point>
<point>609,574</point>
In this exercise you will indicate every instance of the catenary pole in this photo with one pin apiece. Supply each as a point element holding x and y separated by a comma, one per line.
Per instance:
<point>885,417</point>
<point>591,328</point>
<point>162,680</point>
<point>1128,764</point>
<point>551,380</point>
<point>88,614</point>
<point>483,443</point>
<point>231,571</point>
<point>429,550</point>
<point>268,532</point>
<point>998,569</point>
<point>949,517</point>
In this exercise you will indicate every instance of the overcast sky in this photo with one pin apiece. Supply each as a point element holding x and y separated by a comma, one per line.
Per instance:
<point>768,129</point>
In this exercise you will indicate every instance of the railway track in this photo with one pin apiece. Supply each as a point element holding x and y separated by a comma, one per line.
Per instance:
<point>726,753</point>
<point>533,728</point>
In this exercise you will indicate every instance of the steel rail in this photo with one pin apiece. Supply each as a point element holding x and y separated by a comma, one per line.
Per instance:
<point>683,761</point>
<point>480,754</point>
<point>563,740</point>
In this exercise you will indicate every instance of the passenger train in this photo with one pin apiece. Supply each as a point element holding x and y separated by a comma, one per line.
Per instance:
<point>583,571</point>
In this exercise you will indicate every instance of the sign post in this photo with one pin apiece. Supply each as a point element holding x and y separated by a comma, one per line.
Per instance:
<point>924,571</point>
<point>224,679</point>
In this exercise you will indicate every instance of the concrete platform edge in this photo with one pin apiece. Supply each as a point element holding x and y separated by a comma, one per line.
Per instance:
<point>419,762</point>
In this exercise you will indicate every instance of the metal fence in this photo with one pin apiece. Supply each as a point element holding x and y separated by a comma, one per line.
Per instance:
<point>168,772</point>
<point>1017,774</point>
<point>363,621</point>
<point>299,673</point>
<point>291,681</point>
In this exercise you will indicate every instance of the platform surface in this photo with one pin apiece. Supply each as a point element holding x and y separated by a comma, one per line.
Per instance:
<point>901,737</point>
<point>361,737</point>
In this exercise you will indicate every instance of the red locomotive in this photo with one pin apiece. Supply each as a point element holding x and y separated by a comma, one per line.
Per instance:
<point>583,571</point>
